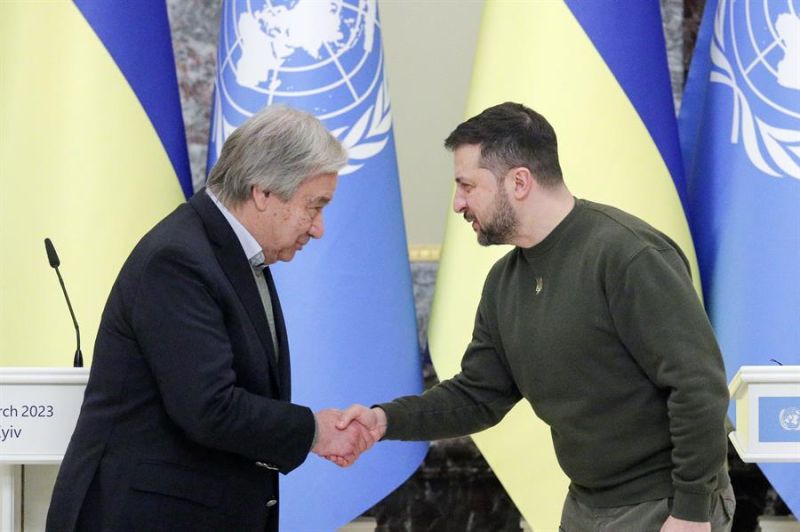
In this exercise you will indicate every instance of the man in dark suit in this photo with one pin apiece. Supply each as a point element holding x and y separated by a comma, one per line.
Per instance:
<point>187,416</point>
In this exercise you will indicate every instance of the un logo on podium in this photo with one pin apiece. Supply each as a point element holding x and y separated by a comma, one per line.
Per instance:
<point>790,418</point>
<point>324,57</point>
<point>756,52</point>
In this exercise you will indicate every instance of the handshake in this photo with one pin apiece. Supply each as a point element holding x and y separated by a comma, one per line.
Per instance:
<point>343,435</point>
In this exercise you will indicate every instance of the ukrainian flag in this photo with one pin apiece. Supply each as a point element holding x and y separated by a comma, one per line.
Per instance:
<point>92,154</point>
<point>598,72</point>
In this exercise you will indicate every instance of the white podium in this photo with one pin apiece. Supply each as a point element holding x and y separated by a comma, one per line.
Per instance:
<point>38,411</point>
<point>767,413</point>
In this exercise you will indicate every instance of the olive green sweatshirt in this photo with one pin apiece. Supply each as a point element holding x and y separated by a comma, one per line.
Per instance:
<point>600,329</point>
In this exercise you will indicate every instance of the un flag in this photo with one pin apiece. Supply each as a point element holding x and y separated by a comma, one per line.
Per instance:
<point>740,136</point>
<point>347,298</point>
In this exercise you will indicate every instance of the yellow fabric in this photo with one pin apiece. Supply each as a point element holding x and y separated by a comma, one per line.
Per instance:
<point>536,53</point>
<point>80,163</point>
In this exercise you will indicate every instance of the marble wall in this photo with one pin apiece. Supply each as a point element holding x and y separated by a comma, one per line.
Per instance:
<point>195,26</point>
<point>454,489</point>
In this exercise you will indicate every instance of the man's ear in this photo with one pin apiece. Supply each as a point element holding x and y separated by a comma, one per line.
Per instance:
<point>260,197</point>
<point>522,182</point>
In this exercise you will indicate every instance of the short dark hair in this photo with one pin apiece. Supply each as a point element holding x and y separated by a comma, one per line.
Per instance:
<point>511,135</point>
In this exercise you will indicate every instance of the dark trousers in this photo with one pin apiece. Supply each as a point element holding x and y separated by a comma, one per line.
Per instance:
<point>643,517</point>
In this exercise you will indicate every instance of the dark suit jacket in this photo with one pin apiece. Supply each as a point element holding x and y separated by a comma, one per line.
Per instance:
<point>186,418</point>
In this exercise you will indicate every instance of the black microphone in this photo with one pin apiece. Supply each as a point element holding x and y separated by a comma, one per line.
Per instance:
<point>52,256</point>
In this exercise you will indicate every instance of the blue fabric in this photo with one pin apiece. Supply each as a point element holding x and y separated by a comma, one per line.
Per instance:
<point>624,32</point>
<point>744,191</point>
<point>776,415</point>
<point>137,36</point>
<point>347,298</point>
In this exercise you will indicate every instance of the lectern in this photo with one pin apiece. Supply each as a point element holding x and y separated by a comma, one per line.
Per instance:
<point>767,413</point>
<point>38,411</point>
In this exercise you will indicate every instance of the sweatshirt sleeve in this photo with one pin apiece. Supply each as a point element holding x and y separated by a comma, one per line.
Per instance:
<point>663,325</point>
<point>478,397</point>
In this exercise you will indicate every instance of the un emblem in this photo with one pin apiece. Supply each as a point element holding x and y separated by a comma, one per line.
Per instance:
<point>756,52</point>
<point>322,56</point>
<point>790,418</point>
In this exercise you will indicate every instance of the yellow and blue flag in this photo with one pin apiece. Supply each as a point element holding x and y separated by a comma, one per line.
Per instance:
<point>598,72</point>
<point>740,135</point>
<point>92,154</point>
<point>347,298</point>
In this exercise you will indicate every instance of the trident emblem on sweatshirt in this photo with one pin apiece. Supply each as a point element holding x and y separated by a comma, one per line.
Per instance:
<point>539,284</point>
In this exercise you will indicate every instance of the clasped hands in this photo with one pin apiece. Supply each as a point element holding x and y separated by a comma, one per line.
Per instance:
<point>343,435</point>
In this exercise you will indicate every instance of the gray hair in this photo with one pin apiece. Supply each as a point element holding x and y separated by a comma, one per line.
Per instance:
<point>276,150</point>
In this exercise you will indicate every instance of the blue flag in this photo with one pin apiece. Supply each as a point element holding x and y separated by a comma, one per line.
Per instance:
<point>740,136</point>
<point>347,298</point>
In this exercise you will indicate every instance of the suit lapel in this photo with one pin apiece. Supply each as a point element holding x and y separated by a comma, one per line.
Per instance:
<point>230,256</point>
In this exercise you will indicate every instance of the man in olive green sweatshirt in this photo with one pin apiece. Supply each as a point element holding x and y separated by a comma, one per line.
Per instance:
<point>593,319</point>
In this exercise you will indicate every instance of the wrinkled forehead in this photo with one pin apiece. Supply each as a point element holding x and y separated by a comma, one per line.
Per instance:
<point>318,188</point>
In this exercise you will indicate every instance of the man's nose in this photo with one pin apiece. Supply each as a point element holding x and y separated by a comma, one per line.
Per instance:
<point>317,227</point>
<point>459,203</point>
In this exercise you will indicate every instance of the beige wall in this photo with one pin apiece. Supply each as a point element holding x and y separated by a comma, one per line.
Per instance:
<point>429,47</point>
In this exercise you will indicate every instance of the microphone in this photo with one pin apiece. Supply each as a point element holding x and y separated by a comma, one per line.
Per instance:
<point>52,256</point>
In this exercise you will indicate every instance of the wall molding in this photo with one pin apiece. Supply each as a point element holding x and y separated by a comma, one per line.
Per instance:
<point>424,252</point>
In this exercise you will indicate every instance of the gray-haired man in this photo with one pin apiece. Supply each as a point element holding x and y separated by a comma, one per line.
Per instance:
<point>187,416</point>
